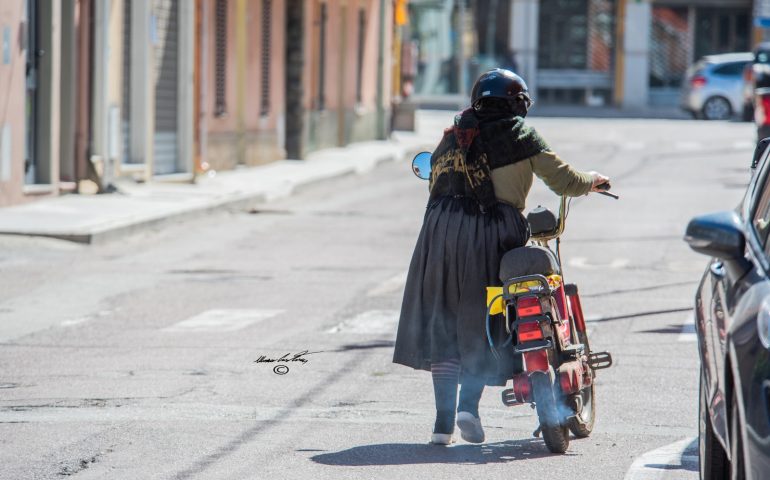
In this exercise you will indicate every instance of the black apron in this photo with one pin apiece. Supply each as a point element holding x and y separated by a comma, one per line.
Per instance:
<point>443,313</point>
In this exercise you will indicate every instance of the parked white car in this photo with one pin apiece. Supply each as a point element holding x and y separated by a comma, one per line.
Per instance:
<point>713,86</point>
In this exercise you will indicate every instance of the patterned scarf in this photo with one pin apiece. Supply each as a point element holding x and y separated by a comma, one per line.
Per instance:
<point>462,163</point>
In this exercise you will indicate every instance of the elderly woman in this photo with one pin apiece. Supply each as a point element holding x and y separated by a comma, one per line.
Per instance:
<point>481,173</point>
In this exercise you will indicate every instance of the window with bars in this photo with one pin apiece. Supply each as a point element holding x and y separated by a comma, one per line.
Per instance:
<point>360,52</point>
<point>220,58</point>
<point>322,57</point>
<point>266,32</point>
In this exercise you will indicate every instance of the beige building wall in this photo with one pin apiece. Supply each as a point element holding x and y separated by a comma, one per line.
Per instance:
<point>13,134</point>
<point>243,134</point>
<point>12,100</point>
<point>342,119</point>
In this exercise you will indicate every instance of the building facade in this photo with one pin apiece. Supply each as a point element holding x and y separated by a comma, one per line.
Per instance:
<point>628,53</point>
<point>97,90</point>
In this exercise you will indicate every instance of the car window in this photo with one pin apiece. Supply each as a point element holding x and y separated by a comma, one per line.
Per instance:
<point>760,211</point>
<point>696,68</point>
<point>732,69</point>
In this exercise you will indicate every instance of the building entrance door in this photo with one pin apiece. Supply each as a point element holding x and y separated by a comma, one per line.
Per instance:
<point>34,53</point>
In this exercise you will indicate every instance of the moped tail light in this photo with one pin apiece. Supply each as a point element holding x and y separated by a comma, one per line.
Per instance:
<point>528,306</point>
<point>762,112</point>
<point>529,331</point>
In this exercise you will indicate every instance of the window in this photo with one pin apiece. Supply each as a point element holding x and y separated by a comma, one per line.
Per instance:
<point>361,40</point>
<point>761,218</point>
<point>733,69</point>
<point>266,32</point>
<point>563,34</point>
<point>322,58</point>
<point>760,214</point>
<point>220,58</point>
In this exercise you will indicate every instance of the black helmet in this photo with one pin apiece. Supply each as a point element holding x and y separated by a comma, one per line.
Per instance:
<point>501,83</point>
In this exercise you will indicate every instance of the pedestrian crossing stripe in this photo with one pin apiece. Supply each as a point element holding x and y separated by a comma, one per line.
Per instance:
<point>222,320</point>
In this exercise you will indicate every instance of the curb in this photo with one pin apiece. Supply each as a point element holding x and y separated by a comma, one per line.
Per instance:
<point>243,201</point>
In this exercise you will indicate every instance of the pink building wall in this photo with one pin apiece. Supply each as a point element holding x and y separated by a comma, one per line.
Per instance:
<point>12,105</point>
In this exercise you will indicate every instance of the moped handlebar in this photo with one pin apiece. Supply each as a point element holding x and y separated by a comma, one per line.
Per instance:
<point>604,190</point>
<point>544,238</point>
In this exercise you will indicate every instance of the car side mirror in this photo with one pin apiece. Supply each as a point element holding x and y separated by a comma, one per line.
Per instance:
<point>717,235</point>
<point>759,150</point>
<point>720,235</point>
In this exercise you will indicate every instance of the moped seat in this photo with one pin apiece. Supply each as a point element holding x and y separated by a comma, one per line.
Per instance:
<point>529,260</point>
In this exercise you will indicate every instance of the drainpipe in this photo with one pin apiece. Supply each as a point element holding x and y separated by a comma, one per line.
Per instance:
<point>203,66</point>
<point>240,78</point>
<point>381,134</point>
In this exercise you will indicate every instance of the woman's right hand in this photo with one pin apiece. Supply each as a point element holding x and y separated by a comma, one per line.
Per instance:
<point>598,179</point>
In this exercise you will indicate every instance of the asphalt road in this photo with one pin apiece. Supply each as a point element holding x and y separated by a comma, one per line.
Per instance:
<point>142,363</point>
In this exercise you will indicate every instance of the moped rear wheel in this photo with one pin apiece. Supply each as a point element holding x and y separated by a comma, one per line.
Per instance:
<point>555,433</point>
<point>583,424</point>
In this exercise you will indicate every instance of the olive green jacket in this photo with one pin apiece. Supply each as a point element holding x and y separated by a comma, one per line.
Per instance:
<point>513,182</point>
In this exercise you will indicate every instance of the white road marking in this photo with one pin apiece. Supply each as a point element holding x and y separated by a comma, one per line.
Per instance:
<point>582,262</point>
<point>369,322</point>
<point>688,330</point>
<point>74,321</point>
<point>633,146</point>
<point>743,145</point>
<point>688,146</point>
<point>223,320</point>
<point>652,465</point>
<point>390,285</point>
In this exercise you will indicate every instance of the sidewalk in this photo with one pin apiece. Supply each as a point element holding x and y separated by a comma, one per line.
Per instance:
<point>97,218</point>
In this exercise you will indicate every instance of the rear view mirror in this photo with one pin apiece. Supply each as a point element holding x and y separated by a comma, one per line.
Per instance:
<point>759,150</point>
<point>717,235</point>
<point>421,165</point>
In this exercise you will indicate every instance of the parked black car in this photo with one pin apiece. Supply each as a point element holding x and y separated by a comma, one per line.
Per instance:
<point>732,320</point>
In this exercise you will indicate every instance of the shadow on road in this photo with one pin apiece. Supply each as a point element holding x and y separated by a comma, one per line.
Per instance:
<point>419,453</point>
<point>642,314</point>
<point>688,460</point>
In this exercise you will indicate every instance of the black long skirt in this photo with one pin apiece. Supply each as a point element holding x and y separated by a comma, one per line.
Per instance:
<point>443,313</point>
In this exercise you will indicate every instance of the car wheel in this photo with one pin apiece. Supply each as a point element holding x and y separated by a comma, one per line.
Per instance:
<point>717,108</point>
<point>737,471</point>
<point>712,457</point>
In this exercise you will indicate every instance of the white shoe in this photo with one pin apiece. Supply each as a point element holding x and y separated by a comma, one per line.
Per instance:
<point>470,427</point>
<point>442,439</point>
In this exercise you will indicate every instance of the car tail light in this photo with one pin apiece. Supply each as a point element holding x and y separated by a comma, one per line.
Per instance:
<point>698,81</point>
<point>747,73</point>
<point>529,331</point>
<point>762,109</point>
<point>528,306</point>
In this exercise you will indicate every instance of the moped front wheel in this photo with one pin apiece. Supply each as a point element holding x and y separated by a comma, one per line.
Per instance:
<point>555,432</point>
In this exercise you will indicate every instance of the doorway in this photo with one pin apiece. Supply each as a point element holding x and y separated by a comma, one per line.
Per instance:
<point>31,164</point>
<point>295,13</point>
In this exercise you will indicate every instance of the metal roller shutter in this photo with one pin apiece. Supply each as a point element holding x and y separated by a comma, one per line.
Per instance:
<point>126,107</point>
<point>165,13</point>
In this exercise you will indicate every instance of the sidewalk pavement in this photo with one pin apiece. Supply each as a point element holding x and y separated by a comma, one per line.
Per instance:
<point>98,218</point>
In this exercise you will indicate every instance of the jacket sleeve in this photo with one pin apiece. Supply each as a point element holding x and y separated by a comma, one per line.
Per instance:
<point>559,176</point>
